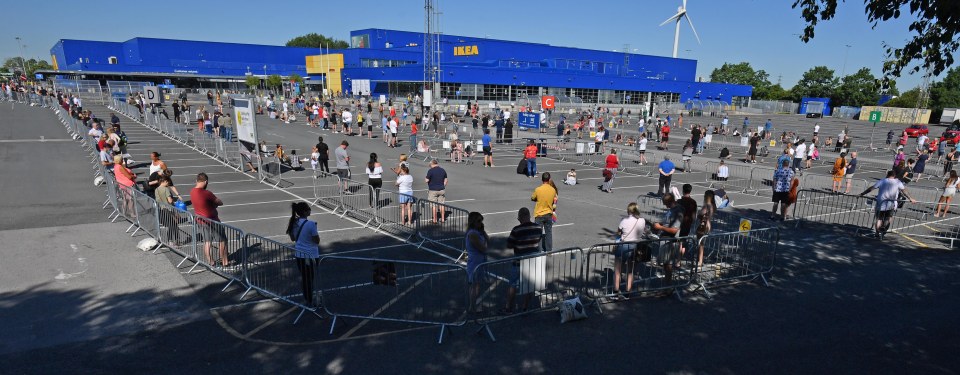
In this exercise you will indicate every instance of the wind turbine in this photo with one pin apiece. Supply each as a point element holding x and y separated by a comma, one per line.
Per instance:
<point>681,13</point>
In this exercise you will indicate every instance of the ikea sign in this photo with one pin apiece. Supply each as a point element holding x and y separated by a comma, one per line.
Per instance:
<point>466,51</point>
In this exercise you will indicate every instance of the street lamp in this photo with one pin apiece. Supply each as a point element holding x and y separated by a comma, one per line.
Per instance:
<point>843,72</point>
<point>22,61</point>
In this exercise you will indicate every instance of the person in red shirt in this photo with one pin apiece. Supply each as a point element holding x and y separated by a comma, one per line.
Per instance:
<point>530,154</point>
<point>413,137</point>
<point>610,171</point>
<point>205,205</point>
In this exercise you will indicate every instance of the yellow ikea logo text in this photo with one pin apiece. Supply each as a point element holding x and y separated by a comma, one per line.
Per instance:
<point>466,51</point>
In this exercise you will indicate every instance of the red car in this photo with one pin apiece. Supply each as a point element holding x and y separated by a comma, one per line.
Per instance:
<point>951,136</point>
<point>916,129</point>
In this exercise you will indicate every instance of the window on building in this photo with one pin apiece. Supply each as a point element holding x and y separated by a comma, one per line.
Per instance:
<point>360,41</point>
<point>112,60</point>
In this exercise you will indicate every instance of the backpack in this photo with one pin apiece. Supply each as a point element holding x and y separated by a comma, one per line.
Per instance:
<point>123,139</point>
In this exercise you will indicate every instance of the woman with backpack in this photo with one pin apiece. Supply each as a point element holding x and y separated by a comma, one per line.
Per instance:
<point>303,232</point>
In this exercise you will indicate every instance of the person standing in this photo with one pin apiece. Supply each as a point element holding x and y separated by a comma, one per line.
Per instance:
<point>487,149</point>
<point>798,156</point>
<point>205,205</point>
<point>303,232</point>
<point>851,170</point>
<point>888,191</point>
<point>669,227</point>
<point>839,169</point>
<point>323,155</point>
<point>347,118</point>
<point>612,164</point>
<point>413,137</point>
<point>746,125</point>
<point>405,189</point>
<point>630,231</point>
<point>704,220</point>
<point>530,155</point>
<point>374,179</point>
<point>782,178</point>
<point>437,184</point>
<point>343,164</point>
<point>524,240</point>
<point>920,165</point>
<point>392,125</point>
<point>754,145</point>
<point>477,240</point>
<point>545,196</point>
<point>666,169</point>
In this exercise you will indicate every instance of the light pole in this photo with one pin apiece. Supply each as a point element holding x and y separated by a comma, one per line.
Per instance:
<point>22,61</point>
<point>843,72</point>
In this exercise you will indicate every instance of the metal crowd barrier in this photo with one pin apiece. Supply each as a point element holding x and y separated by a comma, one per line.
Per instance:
<point>740,177</point>
<point>736,256</point>
<point>393,290</point>
<point>219,249</point>
<point>148,216</point>
<point>625,269</point>
<point>448,231</point>
<point>270,268</point>
<point>540,280</point>
<point>177,232</point>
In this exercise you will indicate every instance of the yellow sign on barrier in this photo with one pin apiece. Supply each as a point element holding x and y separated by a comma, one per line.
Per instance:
<point>745,225</point>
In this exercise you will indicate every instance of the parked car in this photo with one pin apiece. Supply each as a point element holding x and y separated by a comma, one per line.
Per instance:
<point>952,137</point>
<point>916,129</point>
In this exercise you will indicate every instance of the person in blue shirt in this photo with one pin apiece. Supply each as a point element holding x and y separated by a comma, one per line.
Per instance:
<point>499,125</point>
<point>746,124</point>
<point>666,169</point>
<point>487,149</point>
<point>767,129</point>
<point>307,251</point>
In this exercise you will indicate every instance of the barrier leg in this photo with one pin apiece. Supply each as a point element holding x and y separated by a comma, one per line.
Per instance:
<point>249,288</point>
<point>443,329</point>
<point>227,286</point>
<point>489,332</point>
<point>333,324</point>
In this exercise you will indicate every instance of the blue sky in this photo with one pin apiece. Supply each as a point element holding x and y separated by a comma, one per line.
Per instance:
<point>760,32</point>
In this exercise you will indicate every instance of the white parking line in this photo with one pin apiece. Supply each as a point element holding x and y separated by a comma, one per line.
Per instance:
<point>264,202</point>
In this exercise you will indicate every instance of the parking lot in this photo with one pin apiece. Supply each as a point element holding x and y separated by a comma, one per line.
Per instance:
<point>827,286</point>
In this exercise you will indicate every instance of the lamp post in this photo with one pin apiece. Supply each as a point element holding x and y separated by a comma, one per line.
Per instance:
<point>22,61</point>
<point>843,71</point>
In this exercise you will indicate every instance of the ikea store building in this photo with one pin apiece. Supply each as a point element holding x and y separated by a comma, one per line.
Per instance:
<point>391,62</point>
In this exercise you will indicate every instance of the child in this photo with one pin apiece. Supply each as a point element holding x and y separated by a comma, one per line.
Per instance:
<point>571,177</point>
<point>314,159</point>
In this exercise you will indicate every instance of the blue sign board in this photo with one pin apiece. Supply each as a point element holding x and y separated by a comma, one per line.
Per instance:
<point>528,120</point>
<point>39,76</point>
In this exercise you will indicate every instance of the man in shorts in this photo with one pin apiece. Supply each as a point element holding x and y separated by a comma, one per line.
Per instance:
<point>487,149</point>
<point>782,178</point>
<point>205,205</point>
<point>669,228</point>
<point>888,189</point>
<point>524,239</point>
<point>851,169</point>
<point>343,164</point>
<point>437,184</point>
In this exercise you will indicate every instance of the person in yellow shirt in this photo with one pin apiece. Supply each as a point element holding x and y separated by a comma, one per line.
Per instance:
<point>546,197</point>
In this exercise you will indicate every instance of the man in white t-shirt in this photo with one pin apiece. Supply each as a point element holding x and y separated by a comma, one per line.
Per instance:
<point>347,118</point>
<point>816,129</point>
<point>95,132</point>
<point>506,114</point>
<point>798,156</point>
<point>393,132</point>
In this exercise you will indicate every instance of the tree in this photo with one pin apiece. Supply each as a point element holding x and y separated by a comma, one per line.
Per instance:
<point>14,64</point>
<point>775,92</point>
<point>743,74</point>
<point>818,82</point>
<point>935,30</point>
<point>274,81</point>
<point>314,40</point>
<point>252,82</point>
<point>908,99</point>
<point>295,78</point>
<point>858,89</point>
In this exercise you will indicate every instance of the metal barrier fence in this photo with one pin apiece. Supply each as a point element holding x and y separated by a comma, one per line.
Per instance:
<point>539,281</point>
<point>442,225</point>
<point>628,268</point>
<point>148,217</point>
<point>219,249</point>
<point>393,290</point>
<point>178,232</point>
<point>739,177</point>
<point>270,268</point>
<point>733,257</point>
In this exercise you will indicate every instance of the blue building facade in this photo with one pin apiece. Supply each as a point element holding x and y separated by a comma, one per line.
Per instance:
<point>391,62</point>
<point>145,56</point>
